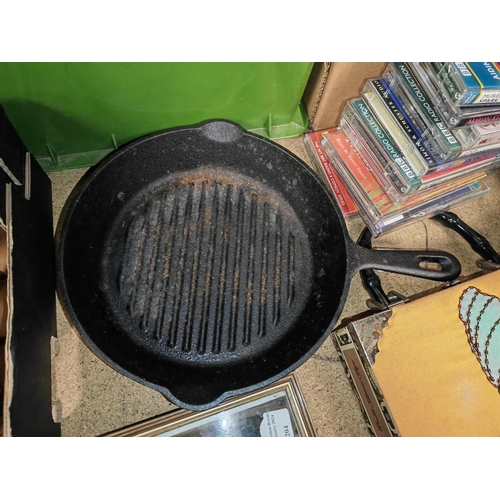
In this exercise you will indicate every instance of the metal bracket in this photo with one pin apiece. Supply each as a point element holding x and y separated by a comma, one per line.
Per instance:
<point>487,265</point>
<point>395,299</point>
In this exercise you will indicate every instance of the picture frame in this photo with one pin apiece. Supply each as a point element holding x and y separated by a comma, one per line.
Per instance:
<point>277,410</point>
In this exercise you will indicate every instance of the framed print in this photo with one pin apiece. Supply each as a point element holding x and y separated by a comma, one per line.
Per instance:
<point>277,410</point>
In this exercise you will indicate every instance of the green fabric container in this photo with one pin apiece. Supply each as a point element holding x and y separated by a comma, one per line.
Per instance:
<point>73,114</point>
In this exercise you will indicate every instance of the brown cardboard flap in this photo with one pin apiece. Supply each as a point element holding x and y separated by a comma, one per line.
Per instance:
<point>330,85</point>
<point>315,88</point>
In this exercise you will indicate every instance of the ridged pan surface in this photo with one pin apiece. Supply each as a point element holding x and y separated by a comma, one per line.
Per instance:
<point>207,264</point>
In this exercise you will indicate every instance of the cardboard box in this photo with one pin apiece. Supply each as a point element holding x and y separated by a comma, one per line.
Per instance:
<point>330,85</point>
<point>28,282</point>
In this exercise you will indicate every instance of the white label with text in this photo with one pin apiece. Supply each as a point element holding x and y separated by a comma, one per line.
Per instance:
<point>276,423</point>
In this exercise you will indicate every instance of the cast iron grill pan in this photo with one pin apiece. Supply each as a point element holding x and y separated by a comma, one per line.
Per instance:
<point>206,262</point>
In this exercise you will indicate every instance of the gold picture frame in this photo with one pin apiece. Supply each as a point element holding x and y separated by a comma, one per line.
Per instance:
<point>277,410</point>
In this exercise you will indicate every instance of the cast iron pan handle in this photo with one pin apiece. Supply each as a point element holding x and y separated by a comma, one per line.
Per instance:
<point>369,278</point>
<point>477,241</point>
<point>432,265</point>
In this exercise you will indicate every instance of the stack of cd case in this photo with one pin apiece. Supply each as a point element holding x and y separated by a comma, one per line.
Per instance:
<point>377,147</point>
<point>372,132</point>
<point>465,93</point>
<point>441,89</point>
<point>323,167</point>
<point>399,130</point>
<point>377,209</point>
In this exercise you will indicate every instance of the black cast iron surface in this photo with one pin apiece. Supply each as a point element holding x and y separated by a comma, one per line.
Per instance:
<point>206,261</point>
<point>207,264</point>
